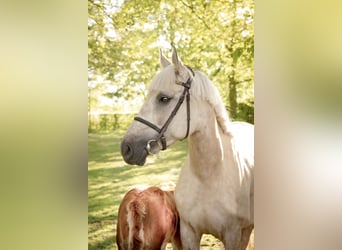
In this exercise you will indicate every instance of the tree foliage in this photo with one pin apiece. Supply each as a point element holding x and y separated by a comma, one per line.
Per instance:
<point>214,36</point>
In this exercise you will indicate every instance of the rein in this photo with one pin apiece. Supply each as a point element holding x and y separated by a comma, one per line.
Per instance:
<point>160,137</point>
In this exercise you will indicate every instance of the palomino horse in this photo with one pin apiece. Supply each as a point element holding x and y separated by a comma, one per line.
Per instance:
<point>215,190</point>
<point>148,219</point>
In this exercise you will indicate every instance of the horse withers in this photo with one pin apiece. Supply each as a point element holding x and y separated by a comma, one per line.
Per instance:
<point>148,219</point>
<point>215,190</point>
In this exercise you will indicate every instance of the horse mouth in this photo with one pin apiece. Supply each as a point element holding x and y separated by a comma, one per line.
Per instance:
<point>142,160</point>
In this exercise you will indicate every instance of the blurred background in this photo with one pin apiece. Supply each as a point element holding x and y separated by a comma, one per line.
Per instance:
<point>45,106</point>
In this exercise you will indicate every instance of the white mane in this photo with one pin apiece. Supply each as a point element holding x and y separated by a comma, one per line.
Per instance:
<point>201,87</point>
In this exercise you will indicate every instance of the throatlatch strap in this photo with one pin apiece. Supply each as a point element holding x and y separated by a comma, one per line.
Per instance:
<point>187,115</point>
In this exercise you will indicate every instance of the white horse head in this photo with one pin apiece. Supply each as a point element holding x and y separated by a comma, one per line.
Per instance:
<point>165,91</point>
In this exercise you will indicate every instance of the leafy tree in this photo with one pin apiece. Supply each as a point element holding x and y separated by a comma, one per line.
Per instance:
<point>216,37</point>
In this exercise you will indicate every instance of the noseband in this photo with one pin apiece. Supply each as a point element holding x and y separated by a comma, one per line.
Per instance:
<point>160,137</point>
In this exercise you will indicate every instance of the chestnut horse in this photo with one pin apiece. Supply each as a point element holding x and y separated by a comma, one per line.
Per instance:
<point>215,190</point>
<point>148,219</point>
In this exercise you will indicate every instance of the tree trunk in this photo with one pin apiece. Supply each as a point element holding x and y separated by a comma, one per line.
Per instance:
<point>232,96</point>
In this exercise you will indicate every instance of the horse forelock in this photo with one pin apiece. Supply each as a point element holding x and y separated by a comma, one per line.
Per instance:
<point>165,79</point>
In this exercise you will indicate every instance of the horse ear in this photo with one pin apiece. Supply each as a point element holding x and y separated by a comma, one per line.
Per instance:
<point>163,61</point>
<point>176,60</point>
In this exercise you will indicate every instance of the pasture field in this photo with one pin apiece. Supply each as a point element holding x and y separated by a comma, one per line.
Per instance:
<point>109,178</point>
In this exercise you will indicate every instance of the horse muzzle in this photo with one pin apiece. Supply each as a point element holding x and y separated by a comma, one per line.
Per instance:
<point>134,152</point>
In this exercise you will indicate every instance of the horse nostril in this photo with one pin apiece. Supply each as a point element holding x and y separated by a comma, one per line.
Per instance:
<point>126,150</point>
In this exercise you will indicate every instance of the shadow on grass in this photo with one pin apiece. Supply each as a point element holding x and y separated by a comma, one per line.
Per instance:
<point>107,243</point>
<point>104,147</point>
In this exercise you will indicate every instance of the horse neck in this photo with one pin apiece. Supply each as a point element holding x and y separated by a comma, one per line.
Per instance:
<point>207,148</point>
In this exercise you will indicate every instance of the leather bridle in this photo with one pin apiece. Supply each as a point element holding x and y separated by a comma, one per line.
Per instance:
<point>160,137</point>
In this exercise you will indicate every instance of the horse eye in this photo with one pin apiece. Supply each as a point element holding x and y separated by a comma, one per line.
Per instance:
<point>164,99</point>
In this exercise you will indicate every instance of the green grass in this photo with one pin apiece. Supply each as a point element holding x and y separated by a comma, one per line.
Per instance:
<point>109,178</point>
